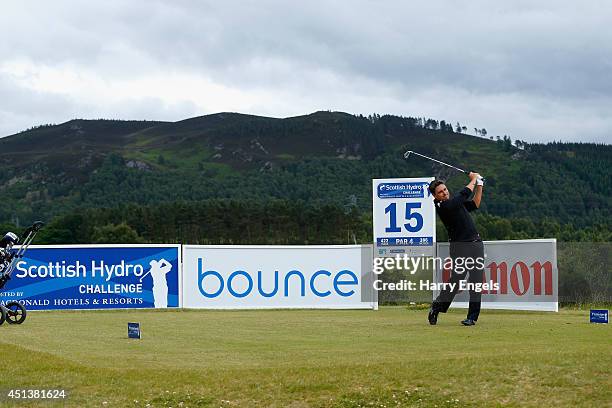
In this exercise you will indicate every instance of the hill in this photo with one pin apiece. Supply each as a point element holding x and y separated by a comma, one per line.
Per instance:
<point>321,159</point>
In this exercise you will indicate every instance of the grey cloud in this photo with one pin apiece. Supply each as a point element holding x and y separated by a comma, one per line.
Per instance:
<point>22,108</point>
<point>443,56</point>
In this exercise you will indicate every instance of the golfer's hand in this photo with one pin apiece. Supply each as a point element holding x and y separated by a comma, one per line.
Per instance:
<point>473,175</point>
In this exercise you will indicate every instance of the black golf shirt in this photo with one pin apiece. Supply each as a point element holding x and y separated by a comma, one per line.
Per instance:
<point>455,216</point>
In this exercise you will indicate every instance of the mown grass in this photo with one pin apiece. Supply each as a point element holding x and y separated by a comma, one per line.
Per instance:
<point>303,358</point>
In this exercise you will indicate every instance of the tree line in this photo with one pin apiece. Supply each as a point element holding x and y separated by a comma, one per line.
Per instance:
<point>274,222</point>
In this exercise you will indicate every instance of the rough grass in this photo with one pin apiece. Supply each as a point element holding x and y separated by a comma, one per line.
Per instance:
<point>303,358</point>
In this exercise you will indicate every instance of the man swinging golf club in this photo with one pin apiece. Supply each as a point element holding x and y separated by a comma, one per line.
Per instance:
<point>465,244</point>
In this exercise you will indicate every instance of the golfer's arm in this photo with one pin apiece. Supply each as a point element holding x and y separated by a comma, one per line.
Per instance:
<point>471,184</point>
<point>477,195</point>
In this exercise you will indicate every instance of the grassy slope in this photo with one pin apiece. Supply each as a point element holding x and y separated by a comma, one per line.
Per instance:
<point>312,358</point>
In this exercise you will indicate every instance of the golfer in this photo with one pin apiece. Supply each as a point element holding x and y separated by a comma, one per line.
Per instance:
<point>465,244</point>
<point>158,271</point>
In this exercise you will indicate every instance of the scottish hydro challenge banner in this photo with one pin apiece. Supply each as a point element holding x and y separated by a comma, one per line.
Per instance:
<point>96,277</point>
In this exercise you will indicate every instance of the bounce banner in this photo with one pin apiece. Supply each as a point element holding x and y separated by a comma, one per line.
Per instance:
<point>238,277</point>
<point>523,275</point>
<point>96,277</point>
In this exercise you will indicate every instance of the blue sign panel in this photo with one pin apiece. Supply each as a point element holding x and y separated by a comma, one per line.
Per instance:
<point>404,241</point>
<point>96,277</point>
<point>402,190</point>
<point>599,316</point>
<point>134,330</point>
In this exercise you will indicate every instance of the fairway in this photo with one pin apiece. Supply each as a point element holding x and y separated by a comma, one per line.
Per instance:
<point>303,358</point>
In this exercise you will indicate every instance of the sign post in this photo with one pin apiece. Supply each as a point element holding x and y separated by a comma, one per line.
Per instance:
<point>404,217</point>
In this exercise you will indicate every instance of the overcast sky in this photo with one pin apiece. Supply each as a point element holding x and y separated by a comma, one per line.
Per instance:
<point>537,71</point>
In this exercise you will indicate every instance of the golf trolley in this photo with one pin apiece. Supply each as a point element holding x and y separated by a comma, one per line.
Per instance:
<point>14,312</point>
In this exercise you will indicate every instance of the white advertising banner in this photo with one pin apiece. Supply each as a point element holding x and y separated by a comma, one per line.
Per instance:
<point>524,272</point>
<point>404,217</point>
<point>243,277</point>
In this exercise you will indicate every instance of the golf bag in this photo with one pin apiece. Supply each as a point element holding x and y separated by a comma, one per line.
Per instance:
<point>15,312</point>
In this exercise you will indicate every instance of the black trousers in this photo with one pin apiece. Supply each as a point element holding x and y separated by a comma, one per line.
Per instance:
<point>474,274</point>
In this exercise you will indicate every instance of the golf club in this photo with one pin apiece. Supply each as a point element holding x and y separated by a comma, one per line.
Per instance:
<point>409,152</point>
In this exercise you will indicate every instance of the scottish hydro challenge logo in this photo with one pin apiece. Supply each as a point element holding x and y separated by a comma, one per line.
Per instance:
<point>402,190</point>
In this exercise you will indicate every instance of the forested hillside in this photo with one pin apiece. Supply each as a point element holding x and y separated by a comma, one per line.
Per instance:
<point>229,178</point>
